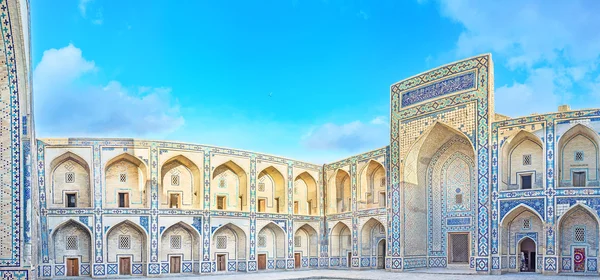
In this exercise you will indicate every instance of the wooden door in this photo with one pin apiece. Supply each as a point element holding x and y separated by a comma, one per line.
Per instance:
<point>261,205</point>
<point>221,262</point>
<point>125,266</point>
<point>262,261</point>
<point>349,262</point>
<point>295,207</point>
<point>175,264</point>
<point>72,267</point>
<point>297,260</point>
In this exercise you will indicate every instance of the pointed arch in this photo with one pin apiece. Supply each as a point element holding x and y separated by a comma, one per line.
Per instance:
<point>522,155</point>
<point>306,241</point>
<point>181,184</point>
<point>306,194</point>
<point>372,190</point>
<point>521,221</point>
<point>341,193</point>
<point>71,238</point>
<point>578,227</point>
<point>340,240</point>
<point>578,152</point>
<point>275,193</point>
<point>127,238</point>
<point>272,241</point>
<point>371,233</point>
<point>230,239</point>
<point>230,182</point>
<point>180,239</point>
<point>70,176</point>
<point>126,174</point>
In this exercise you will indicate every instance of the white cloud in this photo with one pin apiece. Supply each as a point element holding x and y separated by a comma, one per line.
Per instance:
<point>362,14</point>
<point>556,42</point>
<point>67,104</point>
<point>84,11</point>
<point>351,137</point>
<point>83,7</point>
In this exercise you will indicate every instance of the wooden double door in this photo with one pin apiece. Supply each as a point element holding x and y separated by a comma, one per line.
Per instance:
<point>73,267</point>
<point>262,261</point>
<point>297,260</point>
<point>125,266</point>
<point>175,265</point>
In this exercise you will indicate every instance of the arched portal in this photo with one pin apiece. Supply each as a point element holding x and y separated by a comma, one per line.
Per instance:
<point>340,194</point>
<point>181,184</point>
<point>381,248</point>
<point>518,224</point>
<point>578,238</point>
<point>340,241</point>
<point>522,162</point>
<point>70,186</point>
<point>271,246</point>
<point>271,191</point>
<point>180,248</point>
<point>229,188</point>
<point>371,234</point>
<point>306,245</point>
<point>126,247</point>
<point>306,200</point>
<point>229,245</point>
<point>372,186</point>
<point>577,157</point>
<point>71,243</point>
<point>527,255</point>
<point>126,181</point>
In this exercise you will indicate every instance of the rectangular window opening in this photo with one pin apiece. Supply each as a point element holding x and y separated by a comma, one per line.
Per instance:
<point>174,201</point>
<point>70,177</point>
<point>579,179</point>
<point>221,202</point>
<point>526,182</point>
<point>123,177</point>
<point>71,200</point>
<point>123,200</point>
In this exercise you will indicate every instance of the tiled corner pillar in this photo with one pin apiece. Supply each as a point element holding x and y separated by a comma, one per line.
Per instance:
<point>551,260</point>
<point>98,266</point>
<point>323,238</point>
<point>154,263</point>
<point>355,264</point>
<point>290,265</point>
<point>205,263</point>
<point>252,263</point>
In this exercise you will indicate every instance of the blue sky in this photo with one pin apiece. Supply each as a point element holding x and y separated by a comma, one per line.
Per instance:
<point>303,79</point>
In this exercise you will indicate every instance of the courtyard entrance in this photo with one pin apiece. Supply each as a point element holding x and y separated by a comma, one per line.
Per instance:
<point>527,255</point>
<point>458,248</point>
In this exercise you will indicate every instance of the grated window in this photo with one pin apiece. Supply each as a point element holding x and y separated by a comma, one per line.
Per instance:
<point>72,243</point>
<point>123,177</point>
<point>526,159</point>
<point>262,241</point>
<point>174,180</point>
<point>527,223</point>
<point>579,156</point>
<point>221,242</point>
<point>222,183</point>
<point>383,182</point>
<point>175,241</point>
<point>261,187</point>
<point>297,241</point>
<point>70,177</point>
<point>124,242</point>
<point>579,234</point>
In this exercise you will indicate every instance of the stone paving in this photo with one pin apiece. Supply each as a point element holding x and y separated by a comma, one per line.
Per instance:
<point>372,275</point>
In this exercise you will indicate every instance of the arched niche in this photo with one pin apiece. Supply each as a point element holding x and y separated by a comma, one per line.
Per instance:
<point>372,192</point>
<point>577,157</point>
<point>522,162</point>
<point>70,185</point>
<point>181,184</point>
<point>306,195</point>
<point>126,181</point>
<point>271,191</point>
<point>229,188</point>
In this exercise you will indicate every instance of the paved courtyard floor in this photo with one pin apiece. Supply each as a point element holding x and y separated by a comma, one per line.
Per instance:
<point>372,275</point>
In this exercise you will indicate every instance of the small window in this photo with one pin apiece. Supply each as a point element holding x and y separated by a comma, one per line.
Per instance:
<point>383,182</point>
<point>71,200</point>
<point>526,159</point>
<point>579,156</point>
<point>123,199</point>
<point>579,235</point>
<point>72,243</point>
<point>175,241</point>
<point>124,242</point>
<point>458,198</point>
<point>174,180</point>
<point>123,177</point>
<point>527,223</point>
<point>222,183</point>
<point>221,242</point>
<point>174,201</point>
<point>70,177</point>
<point>262,241</point>
<point>579,179</point>
<point>297,241</point>
<point>221,202</point>
<point>525,182</point>
<point>261,187</point>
